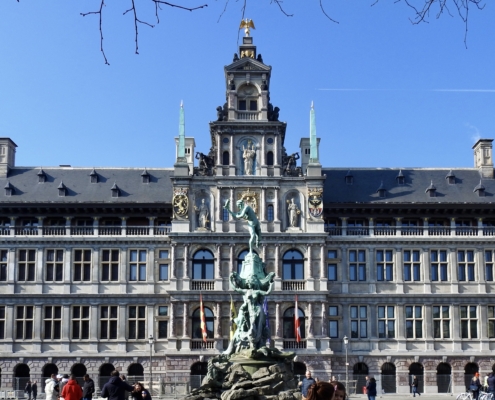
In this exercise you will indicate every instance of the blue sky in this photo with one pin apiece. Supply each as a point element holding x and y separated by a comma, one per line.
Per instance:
<point>387,93</point>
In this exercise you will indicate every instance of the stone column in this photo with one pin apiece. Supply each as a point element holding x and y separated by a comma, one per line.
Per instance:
<point>323,268</point>
<point>218,266</point>
<point>262,213</point>
<point>218,328</point>
<point>172,337</point>
<point>186,262</point>
<point>68,221</point>
<point>67,271</point>
<point>185,317</point>
<point>96,226</point>
<point>233,268</point>
<point>232,222</point>
<point>278,272</point>
<point>151,226</point>
<point>172,320</point>
<point>399,269</point>
<point>276,163</point>
<point>12,226</point>
<point>220,206</point>
<point>310,282</point>
<point>124,226</point>
<point>40,225</point>
<point>278,339</point>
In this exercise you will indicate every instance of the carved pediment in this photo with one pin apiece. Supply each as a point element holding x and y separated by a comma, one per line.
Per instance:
<point>247,64</point>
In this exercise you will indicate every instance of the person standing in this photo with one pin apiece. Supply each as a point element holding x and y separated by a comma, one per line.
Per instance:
<point>366,386</point>
<point>491,383</point>
<point>34,390</point>
<point>71,390</point>
<point>415,386</point>
<point>88,388</point>
<point>371,389</point>
<point>475,385</point>
<point>306,383</point>
<point>51,388</point>
<point>115,388</point>
<point>28,389</point>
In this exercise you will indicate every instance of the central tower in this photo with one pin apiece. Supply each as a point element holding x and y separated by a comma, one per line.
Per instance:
<point>247,137</point>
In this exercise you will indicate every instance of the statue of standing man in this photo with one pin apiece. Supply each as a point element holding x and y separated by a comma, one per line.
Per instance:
<point>247,213</point>
<point>203,214</point>
<point>248,155</point>
<point>293,212</point>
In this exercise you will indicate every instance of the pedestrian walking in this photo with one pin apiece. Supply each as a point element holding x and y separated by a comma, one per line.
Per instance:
<point>371,389</point>
<point>415,386</point>
<point>28,389</point>
<point>306,383</point>
<point>34,390</point>
<point>88,388</point>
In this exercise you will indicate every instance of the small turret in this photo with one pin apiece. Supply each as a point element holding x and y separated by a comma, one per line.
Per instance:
<point>7,156</point>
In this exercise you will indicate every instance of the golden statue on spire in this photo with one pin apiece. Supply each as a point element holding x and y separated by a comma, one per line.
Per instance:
<point>246,24</point>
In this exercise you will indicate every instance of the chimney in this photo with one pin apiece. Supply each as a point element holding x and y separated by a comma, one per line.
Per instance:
<point>7,156</point>
<point>483,157</point>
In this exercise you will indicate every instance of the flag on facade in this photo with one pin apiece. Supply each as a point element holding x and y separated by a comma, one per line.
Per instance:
<point>297,324</point>
<point>233,316</point>
<point>203,320</point>
<point>265,309</point>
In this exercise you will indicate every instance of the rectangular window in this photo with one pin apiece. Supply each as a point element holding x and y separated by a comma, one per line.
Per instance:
<point>163,266</point>
<point>332,272</point>
<point>438,265</point>
<point>2,322</point>
<point>26,265</point>
<point>137,267</point>
<point>253,105</point>
<point>80,322</point>
<point>137,322</point>
<point>441,322</point>
<point>162,322</point>
<point>491,322</point>
<point>82,265</point>
<point>242,105</point>
<point>108,322</point>
<point>359,322</point>
<point>110,265</point>
<point>24,320</point>
<point>333,323</point>
<point>386,322</point>
<point>225,215</point>
<point>469,322</point>
<point>53,322</point>
<point>357,265</point>
<point>3,265</point>
<point>270,214</point>
<point>412,265</point>
<point>489,265</point>
<point>384,265</point>
<point>414,322</point>
<point>54,266</point>
<point>465,265</point>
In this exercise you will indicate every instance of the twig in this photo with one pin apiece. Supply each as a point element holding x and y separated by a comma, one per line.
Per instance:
<point>136,21</point>
<point>224,9</point>
<point>101,30</point>
<point>326,15</point>
<point>278,2</point>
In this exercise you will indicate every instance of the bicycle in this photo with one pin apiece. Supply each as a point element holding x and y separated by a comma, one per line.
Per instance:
<point>465,396</point>
<point>485,396</point>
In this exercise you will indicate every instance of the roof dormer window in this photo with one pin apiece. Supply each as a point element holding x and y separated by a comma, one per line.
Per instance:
<point>431,190</point>
<point>41,176</point>
<point>62,190</point>
<point>400,178</point>
<point>9,189</point>
<point>382,192</point>
<point>349,179</point>
<point>480,189</point>
<point>115,190</point>
<point>450,178</point>
<point>145,177</point>
<point>93,176</point>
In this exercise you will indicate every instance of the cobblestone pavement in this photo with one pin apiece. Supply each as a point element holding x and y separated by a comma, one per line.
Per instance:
<point>394,396</point>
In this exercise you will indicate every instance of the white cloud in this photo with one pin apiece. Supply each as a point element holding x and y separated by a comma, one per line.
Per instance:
<point>473,131</point>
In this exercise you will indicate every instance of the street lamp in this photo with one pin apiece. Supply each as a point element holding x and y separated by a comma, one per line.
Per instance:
<point>346,342</point>
<point>151,340</point>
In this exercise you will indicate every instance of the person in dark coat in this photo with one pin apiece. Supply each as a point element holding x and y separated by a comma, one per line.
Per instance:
<point>115,388</point>
<point>140,392</point>
<point>371,389</point>
<point>88,388</point>
<point>34,390</point>
<point>28,389</point>
<point>475,385</point>
<point>415,386</point>
<point>491,383</point>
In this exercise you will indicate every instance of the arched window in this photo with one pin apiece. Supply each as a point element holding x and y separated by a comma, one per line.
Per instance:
<point>105,371</point>
<point>469,370</point>
<point>203,265</point>
<point>270,214</point>
<point>299,369</point>
<point>269,158</point>
<point>225,158</point>
<point>293,265</point>
<point>389,384</point>
<point>290,326</point>
<point>79,370</point>
<point>196,323</point>
<point>21,373</point>
<point>198,372</point>
<point>416,370</point>
<point>48,370</point>
<point>444,371</point>
<point>135,373</point>
<point>240,259</point>
<point>360,370</point>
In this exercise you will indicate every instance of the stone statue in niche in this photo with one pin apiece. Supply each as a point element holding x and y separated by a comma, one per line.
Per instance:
<point>203,215</point>
<point>248,154</point>
<point>293,212</point>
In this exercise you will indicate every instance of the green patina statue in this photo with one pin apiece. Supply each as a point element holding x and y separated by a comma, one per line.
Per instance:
<point>247,213</point>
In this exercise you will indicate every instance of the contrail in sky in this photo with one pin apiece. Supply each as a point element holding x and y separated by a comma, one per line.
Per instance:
<point>410,90</point>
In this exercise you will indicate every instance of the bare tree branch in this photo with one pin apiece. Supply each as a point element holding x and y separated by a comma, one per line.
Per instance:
<point>279,4</point>
<point>326,15</point>
<point>224,9</point>
<point>101,30</point>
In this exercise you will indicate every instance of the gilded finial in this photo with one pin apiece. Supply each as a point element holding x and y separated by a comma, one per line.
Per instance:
<point>246,24</point>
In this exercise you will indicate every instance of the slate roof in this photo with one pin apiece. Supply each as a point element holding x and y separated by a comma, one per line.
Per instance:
<point>416,181</point>
<point>79,189</point>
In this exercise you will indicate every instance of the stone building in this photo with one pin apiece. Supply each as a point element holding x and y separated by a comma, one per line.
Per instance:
<point>398,263</point>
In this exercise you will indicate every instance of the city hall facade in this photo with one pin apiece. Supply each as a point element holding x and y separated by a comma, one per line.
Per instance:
<point>400,262</point>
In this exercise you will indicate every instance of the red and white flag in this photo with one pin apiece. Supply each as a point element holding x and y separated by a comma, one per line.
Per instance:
<point>203,320</point>
<point>297,324</point>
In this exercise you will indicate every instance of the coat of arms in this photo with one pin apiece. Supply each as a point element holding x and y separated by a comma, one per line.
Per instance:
<point>315,202</point>
<point>250,198</point>
<point>180,202</point>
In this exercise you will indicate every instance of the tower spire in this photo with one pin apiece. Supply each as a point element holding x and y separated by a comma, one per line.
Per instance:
<point>181,152</point>
<point>313,152</point>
